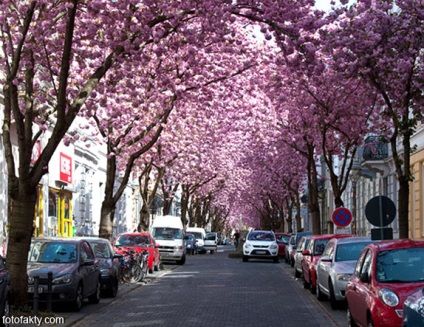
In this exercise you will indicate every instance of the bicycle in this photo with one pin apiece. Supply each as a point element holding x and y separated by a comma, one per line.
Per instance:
<point>130,270</point>
<point>143,262</point>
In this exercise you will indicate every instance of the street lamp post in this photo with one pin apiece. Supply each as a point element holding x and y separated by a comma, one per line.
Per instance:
<point>355,175</point>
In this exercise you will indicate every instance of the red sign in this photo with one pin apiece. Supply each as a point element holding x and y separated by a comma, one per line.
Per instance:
<point>65,168</point>
<point>342,217</point>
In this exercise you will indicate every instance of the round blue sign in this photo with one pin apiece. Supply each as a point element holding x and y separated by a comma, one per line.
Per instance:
<point>342,217</point>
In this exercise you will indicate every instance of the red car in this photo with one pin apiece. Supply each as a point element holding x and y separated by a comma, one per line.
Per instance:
<point>312,254</point>
<point>385,274</point>
<point>138,241</point>
<point>282,241</point>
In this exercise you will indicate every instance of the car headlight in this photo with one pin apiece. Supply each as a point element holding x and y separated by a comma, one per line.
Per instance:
<point>388,297</point>
<point>104,271</point>
<point>30,280</point>
<point>247,245</point>
<point>189,246</point>
<point>65,279</point>
<point>274,246</point>
<point>344,277</point>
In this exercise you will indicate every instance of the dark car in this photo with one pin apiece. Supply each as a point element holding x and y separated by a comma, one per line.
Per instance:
<point>108,263</point>
<point>4,291</point>
<point>191,245</point>
<point>74,271</point>
<point>413,309</point>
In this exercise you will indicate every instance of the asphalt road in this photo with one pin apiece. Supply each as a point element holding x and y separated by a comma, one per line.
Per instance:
<point>212,290</point>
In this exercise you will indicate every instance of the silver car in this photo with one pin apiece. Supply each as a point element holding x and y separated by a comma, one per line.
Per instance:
<point>336,267</point>
<point>298,256</point>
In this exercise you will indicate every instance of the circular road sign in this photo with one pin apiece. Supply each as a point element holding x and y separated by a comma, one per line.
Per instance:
<point>380,211</point>
<point>342,217</point>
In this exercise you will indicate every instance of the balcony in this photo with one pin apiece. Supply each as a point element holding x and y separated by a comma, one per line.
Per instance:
<point>375,155</point>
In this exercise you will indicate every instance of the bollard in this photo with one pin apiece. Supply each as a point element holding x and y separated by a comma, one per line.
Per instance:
<point>36,295</point>
<point>49,291</point>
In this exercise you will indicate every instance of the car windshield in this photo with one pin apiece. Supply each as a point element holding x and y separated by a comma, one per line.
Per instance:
<point>349,251</point>
<point>49,252</point>
<point>198,236</point>
<point>402,266</point>
<point>101,250</point>
<point>190,238</point>
<point>261,236</point>
<point>166,233</point>
<point>133,240</point>
<point>282,238</point>
<point>210,236</point>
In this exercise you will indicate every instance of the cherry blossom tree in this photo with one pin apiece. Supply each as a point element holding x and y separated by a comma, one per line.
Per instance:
<point>381,42</point>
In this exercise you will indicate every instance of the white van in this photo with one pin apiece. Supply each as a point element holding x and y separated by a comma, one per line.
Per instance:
<point>200,235</point>
<point>168,232</point>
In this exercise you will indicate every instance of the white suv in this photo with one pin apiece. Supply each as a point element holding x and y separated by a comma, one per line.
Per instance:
<point>260,244</point>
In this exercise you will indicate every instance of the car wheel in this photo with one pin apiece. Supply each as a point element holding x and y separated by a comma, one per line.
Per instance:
<point>333,302</point>
<point>305,283</point>
<point>156,268</point>
<point>296,273</point>
<point>182,260</point>
<point>78,299</point>
<point>350,321</point>
<point>95,297</point>
<point>312,288</point>
<point>6,314</point>
<point>320,295</point>
<point>115,286</point>
<point>245,259</point>
<point>291,262</point>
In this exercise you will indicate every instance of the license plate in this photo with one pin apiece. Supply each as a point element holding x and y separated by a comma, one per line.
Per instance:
<point>31,289</point>
<point>164,254</point>
<point>261,252</point>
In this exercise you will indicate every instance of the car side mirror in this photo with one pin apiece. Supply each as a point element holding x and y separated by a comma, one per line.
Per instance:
<point>364,277</point>
<point>244,239</point>
<point>326,258</point>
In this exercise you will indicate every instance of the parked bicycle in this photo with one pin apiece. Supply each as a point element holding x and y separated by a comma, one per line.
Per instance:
<point>144,263</point>
<point>130,270</point>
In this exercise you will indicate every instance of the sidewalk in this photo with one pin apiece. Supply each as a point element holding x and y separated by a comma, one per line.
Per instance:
<point>70,317</point>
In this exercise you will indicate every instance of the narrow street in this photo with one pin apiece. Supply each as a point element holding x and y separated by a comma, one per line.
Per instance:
<point>215,290</point>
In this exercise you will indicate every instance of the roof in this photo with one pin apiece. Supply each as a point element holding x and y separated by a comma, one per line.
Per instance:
<point>329,236</point>
<point>57,239</point>
<point>135,234</point>
<point>353,239</point>
<point>398,243</point>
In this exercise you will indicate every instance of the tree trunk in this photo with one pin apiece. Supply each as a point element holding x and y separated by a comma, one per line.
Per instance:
<point>20,233</point>
<point>106,219</point>
<point>313,193</point>
<point>144,218</point>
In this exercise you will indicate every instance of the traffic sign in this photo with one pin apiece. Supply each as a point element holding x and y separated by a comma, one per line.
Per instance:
<point>380,211</point>
<point>341,217</point>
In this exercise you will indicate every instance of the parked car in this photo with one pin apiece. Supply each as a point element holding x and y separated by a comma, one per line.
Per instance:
<point>138,241</point>
<point>298,256</point>
<point>211,242</point>
<point>336,266</point>
<point>312,254</point>
<point>386,273</point>
<point>260,244</point>
<point>200,234</point>
<point>4,291</point>
<point>289,250</point>
<point>108,263</point>
<point>282,241</point>
<point>413,309</point>
<point>75,273</point>
<point>190,242</point>
<point>297,238</point>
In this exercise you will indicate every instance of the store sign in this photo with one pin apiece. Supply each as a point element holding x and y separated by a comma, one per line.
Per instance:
<point>65,168</point>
